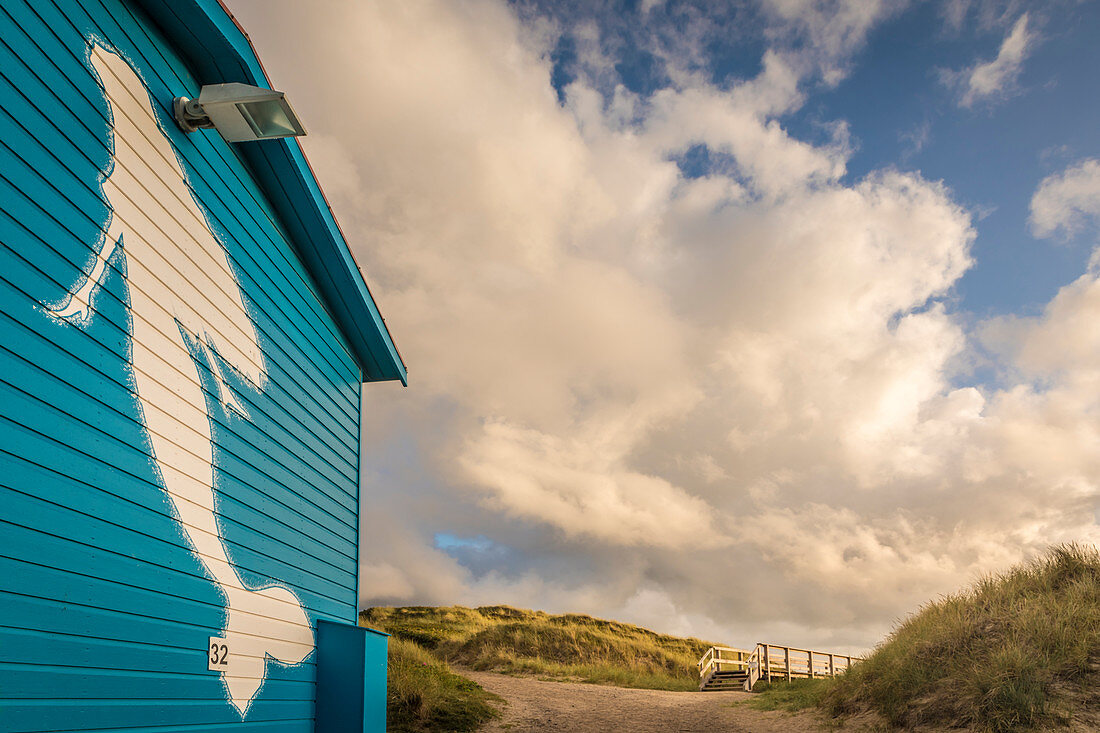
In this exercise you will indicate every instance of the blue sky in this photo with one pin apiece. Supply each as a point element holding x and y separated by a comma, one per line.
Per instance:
<point>805,287</point>
<point>993,155</point>
<point>901,113</point>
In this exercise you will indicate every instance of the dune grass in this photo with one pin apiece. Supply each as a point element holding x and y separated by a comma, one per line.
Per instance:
<point>423,694</point>
<point>1017,651</point>
<point>790,696</point>
<point>567,647</point>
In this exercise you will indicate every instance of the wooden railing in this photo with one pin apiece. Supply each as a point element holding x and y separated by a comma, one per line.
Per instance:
<point>771,662</point>
<point>722,659</point>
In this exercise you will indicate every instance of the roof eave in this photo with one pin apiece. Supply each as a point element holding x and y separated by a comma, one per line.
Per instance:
<point>220,51</point>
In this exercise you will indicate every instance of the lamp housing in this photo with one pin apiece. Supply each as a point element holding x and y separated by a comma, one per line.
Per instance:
<point>239,112</point>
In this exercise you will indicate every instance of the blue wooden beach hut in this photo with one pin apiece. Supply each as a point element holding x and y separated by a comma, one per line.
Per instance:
<point>183,339</point>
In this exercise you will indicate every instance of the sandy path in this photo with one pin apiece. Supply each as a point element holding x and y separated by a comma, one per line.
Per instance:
<point>535,705</point>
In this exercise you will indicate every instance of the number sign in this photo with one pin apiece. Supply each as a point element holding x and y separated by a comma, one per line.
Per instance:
<point>217,654</point>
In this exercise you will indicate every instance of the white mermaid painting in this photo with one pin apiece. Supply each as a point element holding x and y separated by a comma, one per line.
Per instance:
<point>187,313</point>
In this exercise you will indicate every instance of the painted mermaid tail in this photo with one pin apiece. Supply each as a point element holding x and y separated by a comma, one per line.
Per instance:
<point>261,624</point>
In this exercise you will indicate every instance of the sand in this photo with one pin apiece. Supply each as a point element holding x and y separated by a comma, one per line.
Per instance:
<point>537,705</point>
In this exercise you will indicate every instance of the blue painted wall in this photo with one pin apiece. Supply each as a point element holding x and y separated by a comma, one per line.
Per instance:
<point>104,609</point>
<point>351,679</point>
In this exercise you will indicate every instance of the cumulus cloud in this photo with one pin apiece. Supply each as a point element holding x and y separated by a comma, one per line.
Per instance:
<point>385,581</point>
<point>991,80</point>
<point>581,487</point>
<point>1066,201</point>
<point>617,371</point>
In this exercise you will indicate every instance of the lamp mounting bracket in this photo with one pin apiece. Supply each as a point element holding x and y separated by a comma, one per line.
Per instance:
<point>189,114</point>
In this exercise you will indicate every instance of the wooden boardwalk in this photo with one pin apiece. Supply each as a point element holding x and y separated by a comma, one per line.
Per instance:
<point>727,668</point>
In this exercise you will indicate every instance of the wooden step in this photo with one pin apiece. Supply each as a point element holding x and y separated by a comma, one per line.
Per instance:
<point>725,681</point>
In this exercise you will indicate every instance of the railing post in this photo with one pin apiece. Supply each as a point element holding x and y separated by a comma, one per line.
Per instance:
<point>811,655</point>
<point>787,661</point>
<point>768,662</point>
<point>832,667</point>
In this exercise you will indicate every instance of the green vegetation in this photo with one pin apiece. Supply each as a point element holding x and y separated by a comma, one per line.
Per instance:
<point>1017,651</point>
<point>424,695</point>
<point>567,647</point>
<point>789,696</point>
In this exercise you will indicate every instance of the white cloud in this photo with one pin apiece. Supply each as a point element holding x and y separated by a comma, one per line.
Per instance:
<point>616,371</point>
<point>1057,353</point>
<point>915,139</point>
<point>582,487</point>
<point>1066,201</point>
<point>828,31</point>
<point>954,13</point>
<point>987,15</point>
<point>990,80</point>
<point>386,581</point>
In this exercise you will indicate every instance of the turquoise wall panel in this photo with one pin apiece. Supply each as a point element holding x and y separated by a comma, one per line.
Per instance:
<point>351,678</point>
<point>142,512</point>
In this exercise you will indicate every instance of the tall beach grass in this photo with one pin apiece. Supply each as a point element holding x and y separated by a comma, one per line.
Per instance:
<point>1017,651</point>
<point>424,694</point>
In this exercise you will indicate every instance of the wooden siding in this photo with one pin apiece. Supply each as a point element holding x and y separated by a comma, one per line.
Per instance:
<point>105,603</point>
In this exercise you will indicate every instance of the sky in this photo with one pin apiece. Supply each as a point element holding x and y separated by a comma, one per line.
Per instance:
<point>755,321</point>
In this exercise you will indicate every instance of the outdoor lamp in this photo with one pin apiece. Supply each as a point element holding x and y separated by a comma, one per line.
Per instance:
<point>239,112</point>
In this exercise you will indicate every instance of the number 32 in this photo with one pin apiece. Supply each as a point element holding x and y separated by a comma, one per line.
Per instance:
<point>219,654</point>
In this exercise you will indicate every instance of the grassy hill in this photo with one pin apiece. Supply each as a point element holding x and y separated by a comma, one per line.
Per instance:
<point>1017,651</point>
<point>424,694</point>
<point>569,647</point>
